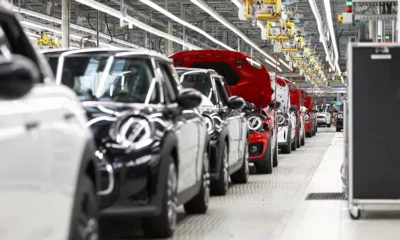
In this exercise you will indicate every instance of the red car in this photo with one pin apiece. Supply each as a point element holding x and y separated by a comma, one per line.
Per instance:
<point>310,118</point>
<point>296,98</point>
<point>250,80</point>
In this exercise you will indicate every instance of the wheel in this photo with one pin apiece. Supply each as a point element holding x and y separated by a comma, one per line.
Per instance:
<point>309,134</point>
<point>287,149</point>
<point>355,213</point>
<point>163,225</point>
<point>293,145</point>
<point>275,155</point>
<point>220,186</point>
<point>303,140</point>
<point>199,203</point>
<point>329,125</point>
<point>85,219</point>
<point>242,175</point>
<point>298,141</point>
<point>265,164</point>
<point>338,129</point>
<point>316,130</point>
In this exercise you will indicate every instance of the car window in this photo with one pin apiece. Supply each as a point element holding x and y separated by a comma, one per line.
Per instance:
<point>228,91</point>
<point>201,82</point>
<point>169,82</point>
<point>129,80</point>
<point>221,91</point>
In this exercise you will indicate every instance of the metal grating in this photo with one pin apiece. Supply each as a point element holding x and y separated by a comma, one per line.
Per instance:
<point>326,196</point>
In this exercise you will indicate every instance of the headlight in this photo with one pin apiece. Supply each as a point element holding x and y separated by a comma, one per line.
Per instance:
<point>132,131</point>
<point>340,115</point>
<point>209,123</point>
<point>255,123</point>
<point>307,117</point>
<point>281,119</point>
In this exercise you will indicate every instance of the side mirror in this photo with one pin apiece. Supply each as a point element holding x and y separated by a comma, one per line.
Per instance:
<point>293,108</point>
<point>303,109</point>
<point>189,98</point>
<point>236,103</point>
<point>274,104</point>
<point>17,76</point>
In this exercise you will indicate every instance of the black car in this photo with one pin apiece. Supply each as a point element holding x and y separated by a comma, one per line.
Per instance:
<point>339,119</point>
<point>150,132</point>
<point>227,127</point>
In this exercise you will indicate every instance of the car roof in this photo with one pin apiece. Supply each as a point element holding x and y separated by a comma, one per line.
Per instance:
<point>111,51</point>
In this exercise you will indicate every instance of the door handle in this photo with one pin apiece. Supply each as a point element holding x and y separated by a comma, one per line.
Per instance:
<point>31,125</point>
<point>69,116</point>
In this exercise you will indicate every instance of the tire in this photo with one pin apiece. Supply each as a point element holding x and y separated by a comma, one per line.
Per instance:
<point>303,140</point>
<point>220,186</point>
<point>84,223</point>
<point>329,125</point>
<point>199,203</point>
<point>293,145</point>
<point>163,225</point>
<point>287,149</point>
<point>338,129</point>
<point>298,140</point>
<point>309,134</point>
<point>265,165</point>
<point>242,175</point>
<point>275,155</point>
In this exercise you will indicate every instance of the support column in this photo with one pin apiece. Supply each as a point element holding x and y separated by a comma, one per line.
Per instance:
<point>170,44</point>
<point>182,6</point>
<point>238,47</point>
<point>371,30</point>
<point>65,18</point>
<point>393,32</point>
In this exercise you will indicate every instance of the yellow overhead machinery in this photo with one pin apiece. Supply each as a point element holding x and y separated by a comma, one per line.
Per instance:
<point>262,9</point>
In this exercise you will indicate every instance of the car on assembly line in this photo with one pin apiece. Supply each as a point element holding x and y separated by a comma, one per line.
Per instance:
<point>297,99</point>
<point>286,115</point>
<point>49,176</point>
<point>310,118</point>
<point>339,118</point>
<point>324,116</point>
<point>227,127</point>
<point>250,80</point>
<point>147,128</point>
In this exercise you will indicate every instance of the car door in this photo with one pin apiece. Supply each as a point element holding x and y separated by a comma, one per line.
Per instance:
<point>234,122</point>
<point>187,131</point>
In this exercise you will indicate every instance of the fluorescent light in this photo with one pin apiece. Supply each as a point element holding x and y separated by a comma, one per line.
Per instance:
<point>285,64</point>
<point>36,36</point>
<point>220,19</point>
<point>317,16</point>
<point>184,23</point>
<point>113,12</point>
<point>273,65</point>
<point>237,3</point>
<point>328,12</point>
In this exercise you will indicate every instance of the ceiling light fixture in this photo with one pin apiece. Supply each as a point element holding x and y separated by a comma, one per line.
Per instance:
<point>184,23</point>
<point>117,14</point>
<point>222,20</point>
<point>328,12</point>
<point>273,65</point>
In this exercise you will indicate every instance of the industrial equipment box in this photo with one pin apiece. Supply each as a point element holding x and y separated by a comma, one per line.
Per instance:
<point>372,137</point>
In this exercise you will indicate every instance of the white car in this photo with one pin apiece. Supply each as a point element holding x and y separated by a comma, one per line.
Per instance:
<point>48,175</point>
<point>286,115</point>
<point>324,117</point>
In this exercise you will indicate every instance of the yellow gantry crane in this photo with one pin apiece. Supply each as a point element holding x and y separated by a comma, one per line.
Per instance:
<point>262,9</point>
<point>47,41</point>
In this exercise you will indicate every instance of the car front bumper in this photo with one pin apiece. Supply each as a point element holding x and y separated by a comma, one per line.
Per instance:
<point>260,142</point>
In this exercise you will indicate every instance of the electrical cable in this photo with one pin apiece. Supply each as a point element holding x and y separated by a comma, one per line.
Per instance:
<point>108,28</point>
<point>90,25</point>
<point>204,18</point>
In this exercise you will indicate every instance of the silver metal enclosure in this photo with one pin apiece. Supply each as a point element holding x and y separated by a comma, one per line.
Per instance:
<point>372,134</point>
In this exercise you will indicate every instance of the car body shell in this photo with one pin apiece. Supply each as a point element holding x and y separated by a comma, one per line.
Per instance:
<point>246,78</point>
<point>229,125</point>
<point>140,173</point>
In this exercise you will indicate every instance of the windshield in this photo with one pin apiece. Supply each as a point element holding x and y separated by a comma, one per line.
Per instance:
<point>128,80</point>
<point>199,81</point>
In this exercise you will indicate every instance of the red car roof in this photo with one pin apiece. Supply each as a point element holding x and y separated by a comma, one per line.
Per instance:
<point>249,82</point>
